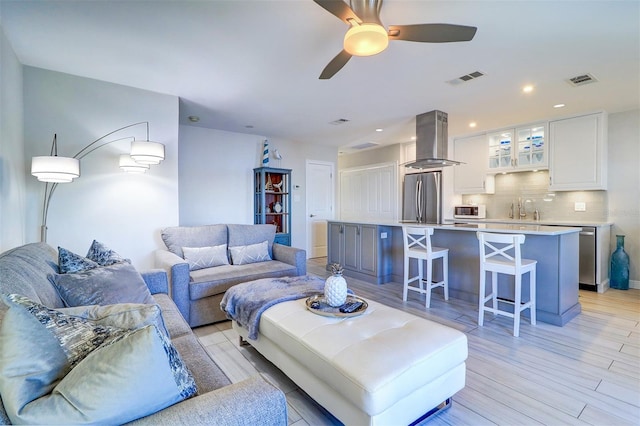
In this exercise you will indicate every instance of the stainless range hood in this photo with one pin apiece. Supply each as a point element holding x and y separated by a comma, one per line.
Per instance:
<point>432,141</point>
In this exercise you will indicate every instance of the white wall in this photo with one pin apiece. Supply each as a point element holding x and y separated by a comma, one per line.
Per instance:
<point>12,173</point>
<point>216,176</point>
<point>624,185</point>
<point>124,211</point>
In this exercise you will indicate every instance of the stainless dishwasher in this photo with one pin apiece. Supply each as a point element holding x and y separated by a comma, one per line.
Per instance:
<point>587,256</point>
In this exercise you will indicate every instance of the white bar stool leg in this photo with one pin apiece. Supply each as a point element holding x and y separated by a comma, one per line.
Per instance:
<point>517,308</point>
<point>405,289</point>
<point>481,298</point>
<point>532,295</point>
<point>445,274</point>
<point>429,281</point>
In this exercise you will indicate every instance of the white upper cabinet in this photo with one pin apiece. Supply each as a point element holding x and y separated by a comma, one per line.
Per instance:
<point>519,149</point>
<point>471,177</point>
<point>578,153</point>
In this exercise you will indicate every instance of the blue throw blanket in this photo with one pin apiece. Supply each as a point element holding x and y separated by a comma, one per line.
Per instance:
<point>245,303</point>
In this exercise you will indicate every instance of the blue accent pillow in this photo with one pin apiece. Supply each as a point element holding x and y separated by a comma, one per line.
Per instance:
<point>118,283</point>
<point>103,255</point>
<point>74,370</point>
<point>69,262</point>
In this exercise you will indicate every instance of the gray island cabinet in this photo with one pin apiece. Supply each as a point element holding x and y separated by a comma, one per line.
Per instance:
<point>363,250</point>
<point>374,252</point>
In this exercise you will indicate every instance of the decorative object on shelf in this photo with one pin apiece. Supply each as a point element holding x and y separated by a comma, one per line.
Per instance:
<point>335,287</point>
<point>277,156</point>
<point>277,187</point>
<point>265,153</point>
<point>277,207</point>
<point>53,169</point>
<point>619,266</point>
<point>268,186</point>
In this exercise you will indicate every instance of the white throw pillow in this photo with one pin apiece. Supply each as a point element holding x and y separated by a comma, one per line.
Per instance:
<point>205,257</point>
<point>243,255</point>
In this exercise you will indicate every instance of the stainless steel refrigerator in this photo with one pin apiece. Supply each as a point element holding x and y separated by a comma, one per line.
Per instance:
<point>421,197</point>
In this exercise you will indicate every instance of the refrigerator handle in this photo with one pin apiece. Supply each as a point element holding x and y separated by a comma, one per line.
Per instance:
<point>419,200</point>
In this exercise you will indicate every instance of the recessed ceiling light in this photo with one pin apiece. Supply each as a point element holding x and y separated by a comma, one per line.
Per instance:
<point>193,118</point>
<point>473,124</point>
<point>378,130</point>
<point>248,126</point>
<point>559,106</point>
<point>413,138</point>
<point>527,89</point>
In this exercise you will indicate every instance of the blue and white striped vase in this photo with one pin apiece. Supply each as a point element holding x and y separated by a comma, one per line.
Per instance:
<point>265,154</point>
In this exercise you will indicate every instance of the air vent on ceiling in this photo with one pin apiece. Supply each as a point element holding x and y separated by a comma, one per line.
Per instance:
<point>465,78</point>
<point>339,121</point>
<point>364,145</point>
<point>581,80</point>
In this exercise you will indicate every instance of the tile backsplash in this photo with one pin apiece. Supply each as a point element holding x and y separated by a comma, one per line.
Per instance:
<point>533,189</point>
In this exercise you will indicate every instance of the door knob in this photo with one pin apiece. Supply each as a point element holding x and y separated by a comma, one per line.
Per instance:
<point>312,215</point>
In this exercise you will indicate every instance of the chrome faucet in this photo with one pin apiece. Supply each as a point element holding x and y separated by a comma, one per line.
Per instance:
<point>511,211</point>
<point>522,212</point>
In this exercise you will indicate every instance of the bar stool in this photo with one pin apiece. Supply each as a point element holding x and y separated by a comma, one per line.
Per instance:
<point>417,245</point>
<point>500,254</point>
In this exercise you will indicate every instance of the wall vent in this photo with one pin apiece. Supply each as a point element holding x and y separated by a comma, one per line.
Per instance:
<point>339,121</point>
<point>581,80</point>
<point>465,78</point>
<point>364,145</point>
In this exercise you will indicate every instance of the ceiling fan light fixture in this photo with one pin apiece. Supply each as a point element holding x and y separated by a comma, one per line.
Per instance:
<point>366,39</point>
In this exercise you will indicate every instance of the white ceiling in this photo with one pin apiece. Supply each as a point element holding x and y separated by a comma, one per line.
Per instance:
<point>256,63</point>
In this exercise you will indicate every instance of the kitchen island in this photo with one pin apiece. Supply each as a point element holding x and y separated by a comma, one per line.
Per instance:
<point>373,251</point>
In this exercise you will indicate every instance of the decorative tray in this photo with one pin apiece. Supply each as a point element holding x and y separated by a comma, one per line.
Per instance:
<point>318,305</point>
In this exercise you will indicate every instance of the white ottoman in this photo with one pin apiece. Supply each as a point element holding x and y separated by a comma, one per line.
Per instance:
<point>385,367</point>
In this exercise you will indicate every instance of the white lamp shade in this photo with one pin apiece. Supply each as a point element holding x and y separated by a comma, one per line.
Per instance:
<point>55,169</point>
<point>366,39</point>
<point>147,152</point>
<point>129,165</point>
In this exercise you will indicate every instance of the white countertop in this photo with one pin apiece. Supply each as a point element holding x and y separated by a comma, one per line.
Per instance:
<point>549,222</point>
<point>527,229</point>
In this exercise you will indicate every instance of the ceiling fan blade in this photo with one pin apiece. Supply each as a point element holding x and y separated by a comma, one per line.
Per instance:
<point>432,33</point>
<point>339,9</point>
<point>335,65</point>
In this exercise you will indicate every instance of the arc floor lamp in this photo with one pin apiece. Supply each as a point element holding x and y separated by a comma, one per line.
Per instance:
<point>53,169</point>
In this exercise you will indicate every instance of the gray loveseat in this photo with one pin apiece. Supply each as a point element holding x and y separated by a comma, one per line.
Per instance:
<point>198,292</point>
<point>24,271</point>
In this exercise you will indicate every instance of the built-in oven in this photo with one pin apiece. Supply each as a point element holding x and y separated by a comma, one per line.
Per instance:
<point>587,255</point>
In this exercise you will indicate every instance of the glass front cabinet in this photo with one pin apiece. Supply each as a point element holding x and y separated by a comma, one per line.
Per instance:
<point>522,148</point>
<point>272,200</point>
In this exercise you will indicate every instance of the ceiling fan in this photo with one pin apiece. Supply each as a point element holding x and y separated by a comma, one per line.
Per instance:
<point>367,36</point>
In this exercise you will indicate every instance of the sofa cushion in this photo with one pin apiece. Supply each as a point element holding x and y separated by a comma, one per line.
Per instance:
<point>211,281</point>
<point>24,269</point>
<point>205,257</point>
<point>207,374</point>
<point>244,235</point>
<point>118,283</point>
<point>253,253</point>
<point>70,262</point>
<point>176,237</point>
<point>173,319</point>
<point>73,370</point>
<point>103,255</point>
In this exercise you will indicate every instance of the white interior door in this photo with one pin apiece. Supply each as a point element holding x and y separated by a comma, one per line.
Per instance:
<point>320,205</point>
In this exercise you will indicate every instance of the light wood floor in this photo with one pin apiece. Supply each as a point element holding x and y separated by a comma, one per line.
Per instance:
<point>587,372</point>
